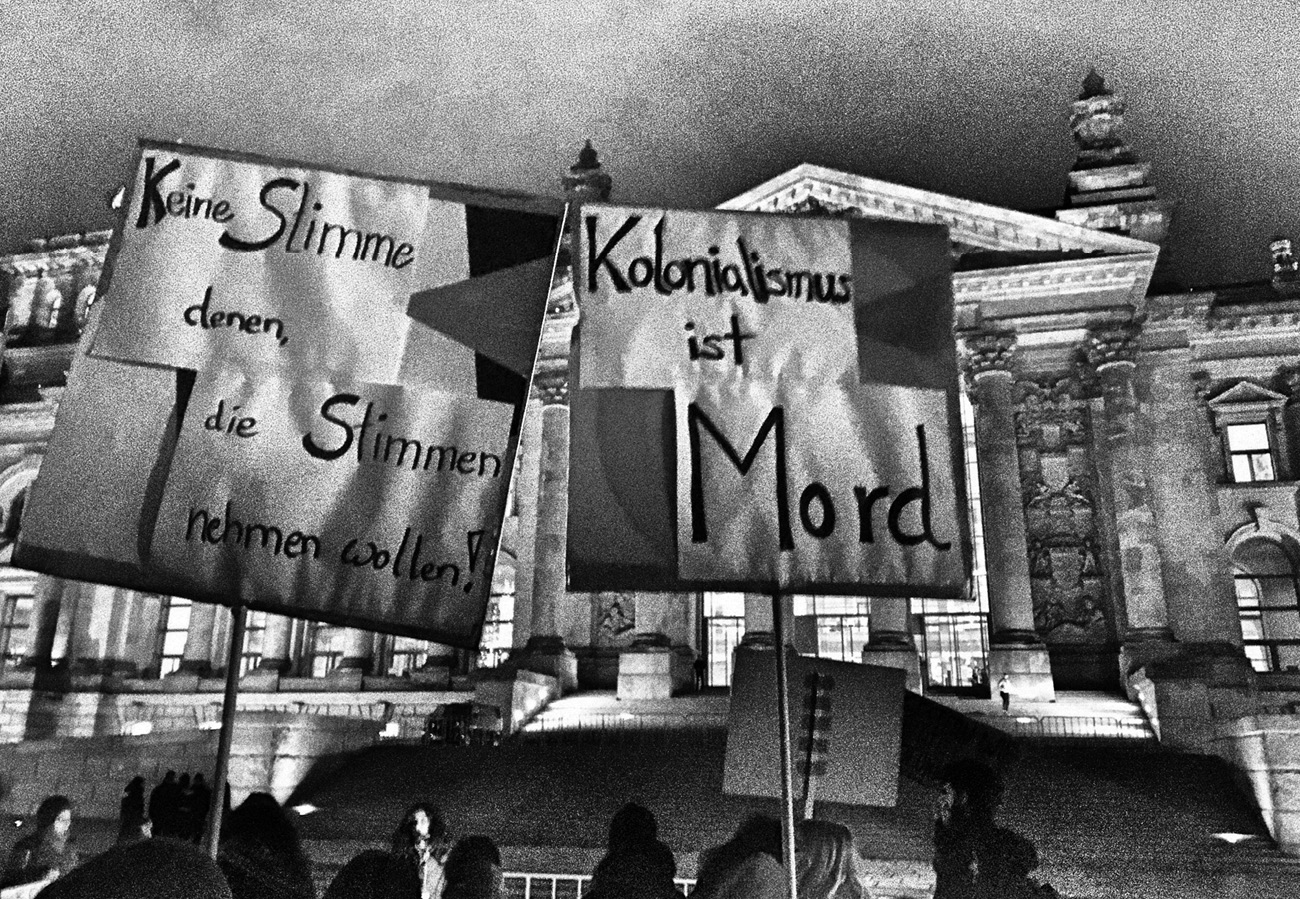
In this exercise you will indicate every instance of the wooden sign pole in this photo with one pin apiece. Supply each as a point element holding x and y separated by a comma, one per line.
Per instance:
<point>233,658</point>
<point>783,717</point>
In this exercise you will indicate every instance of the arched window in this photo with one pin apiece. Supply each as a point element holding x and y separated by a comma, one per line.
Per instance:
<point>1267,603</point>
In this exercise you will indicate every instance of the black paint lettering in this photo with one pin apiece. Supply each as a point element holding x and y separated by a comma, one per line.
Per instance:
<point>317,451</point>
<point>152,207</point>
<point>817,491</point>
<point>230,242</point>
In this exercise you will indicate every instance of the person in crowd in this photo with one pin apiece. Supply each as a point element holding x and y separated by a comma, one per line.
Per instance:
<point>200,804</point>
<point>374,874</point>
<point>972,791</point>
<point>827,864</point>
<point>748,866</point>
<point>1005,861</point>
<point>183,823</point>
<point>143,830</point>
<point>163,800</point>
<point>131,811</point>
<point>47,853</point>
<point>473,870</point>
<point>153,869</point>
<point>420,844</point>
<point>261,855</point>
<point>637,864</point>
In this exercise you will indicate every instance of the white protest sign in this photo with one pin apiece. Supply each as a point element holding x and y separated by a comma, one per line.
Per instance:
<point>812,430</point>
<point>266,266</point>
<point>312,409</point>
<point>370,502</point>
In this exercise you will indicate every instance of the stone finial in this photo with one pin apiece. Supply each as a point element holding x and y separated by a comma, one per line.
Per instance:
<point>587,180</point>
<point>988,351</point>
<point>1284,261</point>
<point>1093,85</point>
<point>1112,343</point>
<point>552,387</point>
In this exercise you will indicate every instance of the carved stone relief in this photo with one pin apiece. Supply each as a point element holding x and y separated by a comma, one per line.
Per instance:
<point>1066,569</point>
<point>613,618</point>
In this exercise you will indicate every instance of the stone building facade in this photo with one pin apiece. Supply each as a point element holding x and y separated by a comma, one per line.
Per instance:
<point>1133,452</point>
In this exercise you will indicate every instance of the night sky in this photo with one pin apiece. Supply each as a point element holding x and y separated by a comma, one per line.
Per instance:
<point>688,103</point>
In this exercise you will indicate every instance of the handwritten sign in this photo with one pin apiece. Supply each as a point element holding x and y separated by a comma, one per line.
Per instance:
<point>380,498</point>
<point>335,442</point>
<point>267,266</point>
<point>811,444</point>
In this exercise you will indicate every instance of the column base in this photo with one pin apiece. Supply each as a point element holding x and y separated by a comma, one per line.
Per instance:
<point>890,654</point>
<point>361,664</point>
<point>758,640</point>
<point>261,680</point>
<point>279,666</point>
<point>654,671</point>
<point>345,678</point>
<point>548,655</point>
<point>199,667</point>
<point>1027,667</point>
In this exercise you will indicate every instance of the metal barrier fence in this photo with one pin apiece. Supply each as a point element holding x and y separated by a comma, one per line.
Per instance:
<point>612,728</point>
<point>524,885</point>
<point>1063,727</point>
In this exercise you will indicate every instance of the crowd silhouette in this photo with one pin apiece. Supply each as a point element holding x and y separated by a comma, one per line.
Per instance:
<point>261,856</point>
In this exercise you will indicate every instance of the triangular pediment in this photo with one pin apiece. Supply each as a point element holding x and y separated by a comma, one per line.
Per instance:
<point>1011,258</point>
<point>1247,393</point>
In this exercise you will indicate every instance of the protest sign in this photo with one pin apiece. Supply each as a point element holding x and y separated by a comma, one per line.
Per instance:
<point>764,402</point>
<point>297,395</point>
<point>851,750</point>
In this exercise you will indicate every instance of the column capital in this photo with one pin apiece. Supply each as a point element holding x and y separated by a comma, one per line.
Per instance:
<point>1113,344</point>
<point>1289,377</point>
<point>552,387</point>
<point>988,351</point>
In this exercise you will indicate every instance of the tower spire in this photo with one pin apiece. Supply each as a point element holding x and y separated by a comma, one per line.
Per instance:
<point>1109,187</point>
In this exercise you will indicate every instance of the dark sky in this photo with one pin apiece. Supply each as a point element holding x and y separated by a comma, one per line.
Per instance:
<point>689,103</point>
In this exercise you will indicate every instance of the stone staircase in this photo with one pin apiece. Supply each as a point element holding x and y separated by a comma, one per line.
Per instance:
<point>603,710</point>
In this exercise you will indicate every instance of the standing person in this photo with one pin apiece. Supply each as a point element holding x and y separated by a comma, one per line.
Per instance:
<point>162,801</point>
<point>47,853</point>
<point>748,866</point>
<point>183,813</point>
<point>200,804</point>
<point>1004,690</point>
<point>260,853</point>
<point>419,844</point>
<point>827,864</point>
<point>963,821</point>
<point>131,811</point>
<point>473,870</point>
<point>637,865</point>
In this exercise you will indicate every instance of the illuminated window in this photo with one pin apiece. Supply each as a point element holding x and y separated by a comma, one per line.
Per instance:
<point>175,630</point>
<point>254,641</point>
<point>498,630</point>
<point>1267,606</point>
<point>1250,458</point>
<point>407,655</point>
<point>724,626</point>
<point>324,650</point>
<point>15,630</point>
<point>842,625</point>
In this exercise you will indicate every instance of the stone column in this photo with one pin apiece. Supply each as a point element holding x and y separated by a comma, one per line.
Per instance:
<point>1128,448</point>
<point>46,602</point>
<point>277,645</point>
<point>197,657</point>
<point>1199,594</point>
<point>133,621</point>
<point>527,491</point>
<point>760,630</point>
<point>545,652</point>
<point>890,642</point>
<point>91,625</point>
<point>1015,647</point>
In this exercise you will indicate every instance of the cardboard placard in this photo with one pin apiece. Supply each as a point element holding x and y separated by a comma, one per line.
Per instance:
<point>859,745</point>
<point>814,445</point>
<point>170,430</point>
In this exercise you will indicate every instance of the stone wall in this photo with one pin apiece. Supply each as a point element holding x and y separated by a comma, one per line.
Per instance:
<point>1266,750</point>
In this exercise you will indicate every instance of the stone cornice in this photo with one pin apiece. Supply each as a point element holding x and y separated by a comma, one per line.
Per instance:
<point>1110,279</point>
<point>26,422</point>
<point>58,258</point>
<point>970,223</point>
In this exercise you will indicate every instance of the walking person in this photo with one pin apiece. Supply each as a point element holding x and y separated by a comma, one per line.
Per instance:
<point>1004,690</point>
